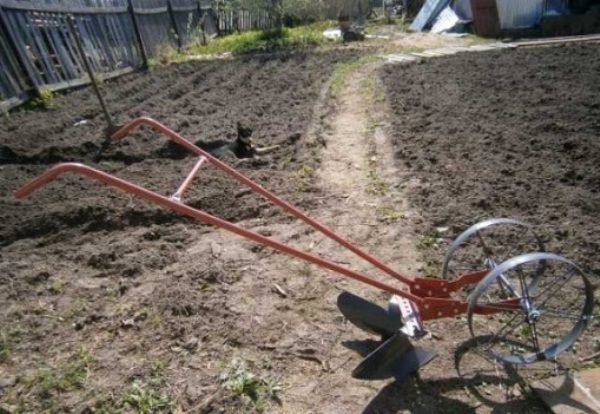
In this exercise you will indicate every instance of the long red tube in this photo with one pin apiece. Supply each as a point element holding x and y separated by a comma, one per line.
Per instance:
<point>178,207</point>
<point>121,133</point>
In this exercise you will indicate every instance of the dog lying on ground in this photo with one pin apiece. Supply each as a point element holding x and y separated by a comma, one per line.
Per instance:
<point>242,147</point>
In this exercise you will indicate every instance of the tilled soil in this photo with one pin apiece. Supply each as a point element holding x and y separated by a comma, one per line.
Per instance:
<point>201,100</point>
<point>503,134</point>
<point>111,302</point>
<point>88,271</point>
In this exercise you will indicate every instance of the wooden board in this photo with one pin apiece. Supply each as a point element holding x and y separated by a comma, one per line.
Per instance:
<point>571,393</point>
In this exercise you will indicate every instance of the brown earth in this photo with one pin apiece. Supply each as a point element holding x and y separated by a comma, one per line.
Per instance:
<point>86,267</point>
<point>108,299</point>
<point>504,134</point>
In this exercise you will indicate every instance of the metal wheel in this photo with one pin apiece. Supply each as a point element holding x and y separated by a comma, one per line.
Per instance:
<point>485,245</point>
<point>526,316</point>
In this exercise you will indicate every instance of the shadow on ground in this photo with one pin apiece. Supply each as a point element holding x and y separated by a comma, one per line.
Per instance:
<point>480,385</point>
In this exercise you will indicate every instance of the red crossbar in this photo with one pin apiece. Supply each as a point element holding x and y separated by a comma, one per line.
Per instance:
<point>188,180</point>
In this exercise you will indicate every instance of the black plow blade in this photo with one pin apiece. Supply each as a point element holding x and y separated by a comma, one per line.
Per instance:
<point>367,315</point>
<point>396,357</point>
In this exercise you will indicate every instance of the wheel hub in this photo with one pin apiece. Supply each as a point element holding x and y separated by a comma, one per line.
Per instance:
<point>534,315</point>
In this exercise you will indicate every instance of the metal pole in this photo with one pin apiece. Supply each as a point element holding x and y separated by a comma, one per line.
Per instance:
<point>138,35</point>
<point>90,73</point>
<point>174,24</point>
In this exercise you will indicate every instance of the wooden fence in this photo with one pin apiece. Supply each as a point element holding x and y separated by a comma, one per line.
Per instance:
<point>38,51</point>
<point>241,20</point>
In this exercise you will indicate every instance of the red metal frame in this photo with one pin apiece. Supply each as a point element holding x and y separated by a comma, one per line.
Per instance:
<point>431,296</point>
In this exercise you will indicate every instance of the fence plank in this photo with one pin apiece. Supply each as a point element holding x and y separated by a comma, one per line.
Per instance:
<point>174,25</point>
<point>12,70</point>
<point>138,35</point>
<point>37,48</point>
<point>25,6</point>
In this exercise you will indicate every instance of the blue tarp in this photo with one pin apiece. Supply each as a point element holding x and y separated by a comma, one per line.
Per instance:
<point>430,10</point>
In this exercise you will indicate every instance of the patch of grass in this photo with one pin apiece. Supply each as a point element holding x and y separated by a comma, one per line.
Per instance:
<point>376,185</point>
<point>6,346</point>
<point>254,390</point>
<point>343,70</point>
<point>151,316</point>
<point>304,174</point>
<point>165,54</point>
<point>44,100</point>
<point>305,171</point>
<point>146,400</point>
<point>428,242</point>
<point>264,40</point>
<point>68,377</point>
<point>374,26</point>
<point>56,286</point>
<point>78,309</point>
<point>389,215</point>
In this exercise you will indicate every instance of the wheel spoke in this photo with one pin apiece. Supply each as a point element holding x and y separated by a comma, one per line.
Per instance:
<point>509,324</point>
<point>560,286</point>
<point>486,250</point>
<point>534,335</point>
<point>541,319</point>
<point>560,315</point>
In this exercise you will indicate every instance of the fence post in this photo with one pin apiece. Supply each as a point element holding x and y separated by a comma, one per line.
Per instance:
<point>174,24</point>
<point>21,59</point>
<point>138,35</point>
<point>202,22</point>
<point>86,64</point>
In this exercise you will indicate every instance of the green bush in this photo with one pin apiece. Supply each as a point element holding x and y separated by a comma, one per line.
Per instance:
<point>265,40</point>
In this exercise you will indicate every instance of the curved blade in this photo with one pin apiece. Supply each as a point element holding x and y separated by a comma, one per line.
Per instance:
<point>367,315</point>
<point>395,357</point>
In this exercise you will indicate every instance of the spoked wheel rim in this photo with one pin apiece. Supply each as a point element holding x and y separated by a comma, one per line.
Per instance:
<point>486,244</point>
<point>546,313</point>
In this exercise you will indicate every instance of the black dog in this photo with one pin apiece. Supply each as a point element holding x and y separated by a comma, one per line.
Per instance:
<point>242,147</point>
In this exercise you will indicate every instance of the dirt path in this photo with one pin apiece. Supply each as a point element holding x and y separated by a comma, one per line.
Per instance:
<point>354,173</point>
<point>357,167</point>
<point>367,205</point>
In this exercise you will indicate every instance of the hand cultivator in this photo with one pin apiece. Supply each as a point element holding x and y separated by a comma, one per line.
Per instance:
<point>525,305</point>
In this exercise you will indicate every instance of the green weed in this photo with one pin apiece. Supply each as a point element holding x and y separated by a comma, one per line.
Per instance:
<point>264,40</point>
<point>343,70</point>
<point>389,215</point>
<point>6,346</point>
<point>146,400</point>
<point>255,390</point>
<point>305,171</point>
<point>304,174</point>
<point>428,242</point>
<point>56,286</point>
<point>69,376</point>
<point>373,26</point>
<point>45,99</point>
<point>376,185</point>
